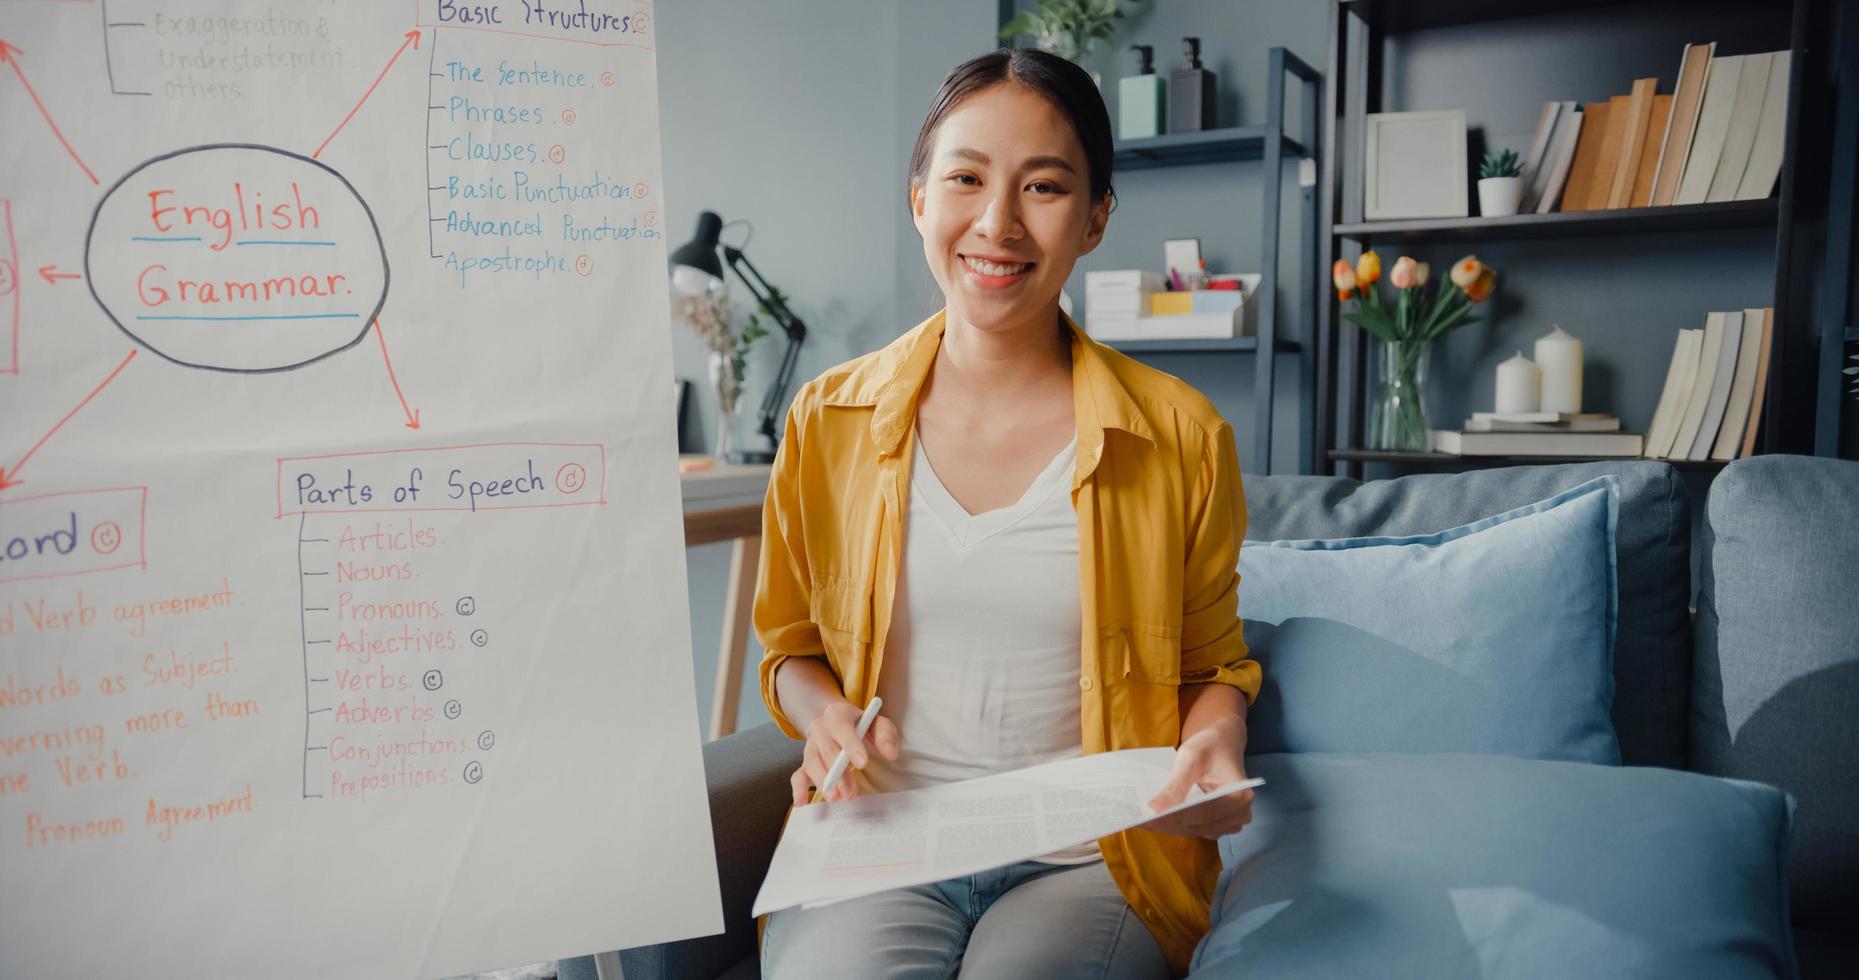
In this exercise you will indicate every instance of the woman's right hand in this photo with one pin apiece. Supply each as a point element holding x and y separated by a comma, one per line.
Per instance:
<point>834,728</point>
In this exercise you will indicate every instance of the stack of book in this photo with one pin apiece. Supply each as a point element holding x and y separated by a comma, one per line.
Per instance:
<point>1718,137</point>
<point>1116,300</point>
<point>1714,385</point>
<point>1539,434</point>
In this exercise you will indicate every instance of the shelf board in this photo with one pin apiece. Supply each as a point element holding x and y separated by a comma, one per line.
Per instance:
<point>1209,146</point>
<point>1570,224</point>
<point>1189,346</point>
<point>1444,459</point>
<point>1398,16</point>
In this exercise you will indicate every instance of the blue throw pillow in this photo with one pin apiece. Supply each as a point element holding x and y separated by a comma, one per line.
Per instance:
<point>1456,865</point>
<point>1495,636</point>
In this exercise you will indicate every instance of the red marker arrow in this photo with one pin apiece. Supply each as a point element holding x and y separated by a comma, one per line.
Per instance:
<point>413,38</point>
<point>51,274</point>
<point>7,53</point>
<point>8,477</point>
<point>413,414</point>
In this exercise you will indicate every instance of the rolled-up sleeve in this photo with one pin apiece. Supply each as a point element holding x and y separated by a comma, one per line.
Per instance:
<point>1213,644</point>
<point>782,613</point>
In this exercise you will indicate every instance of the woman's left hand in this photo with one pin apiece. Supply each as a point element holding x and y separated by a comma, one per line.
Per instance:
<point>1210,758</point>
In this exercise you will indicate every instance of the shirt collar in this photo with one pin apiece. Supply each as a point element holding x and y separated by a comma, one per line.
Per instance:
<point>890,381</point>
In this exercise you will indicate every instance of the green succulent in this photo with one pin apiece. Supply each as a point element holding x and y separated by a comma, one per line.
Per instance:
<point>1066,28</point>
<point>1503,164</point>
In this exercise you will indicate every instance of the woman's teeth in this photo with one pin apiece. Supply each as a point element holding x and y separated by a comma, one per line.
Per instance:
<point>987,268</point>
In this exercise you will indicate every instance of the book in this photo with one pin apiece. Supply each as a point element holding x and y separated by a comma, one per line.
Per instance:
<point>1687,98</point>
<point>1562,150</point>
<point>1578,425</point>
<point>1543,417</point>
<point>1762,382</point>
<point>1700,397</point>
<point>1538,443</point>
<point>1539,148</point>
<point>1649,154</point>
<point>1736,410</point>
<point>1637,121</point>
<point>1678,377</point>
<point>1740,137</point>
<point>1720,89</point>
<point>1585,170</point>
<point>1765,155</point>
<point>1720,387</point>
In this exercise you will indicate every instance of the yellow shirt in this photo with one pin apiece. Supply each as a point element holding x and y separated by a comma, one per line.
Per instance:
<point>1161,513</point>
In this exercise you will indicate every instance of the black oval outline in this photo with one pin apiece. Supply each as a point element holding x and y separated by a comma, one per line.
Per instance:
<point>387,274</point>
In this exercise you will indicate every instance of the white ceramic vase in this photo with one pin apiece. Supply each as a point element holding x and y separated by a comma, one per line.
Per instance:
<point>1498,196</point>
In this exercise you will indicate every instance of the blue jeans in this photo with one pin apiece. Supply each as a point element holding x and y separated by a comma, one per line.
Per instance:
<point>1050,921</point>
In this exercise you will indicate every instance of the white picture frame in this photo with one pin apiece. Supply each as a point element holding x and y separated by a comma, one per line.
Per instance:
<point>1415,165</point>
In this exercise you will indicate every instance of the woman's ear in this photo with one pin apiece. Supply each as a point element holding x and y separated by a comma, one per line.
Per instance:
<point>1095,223</point>
<point>914,199</point>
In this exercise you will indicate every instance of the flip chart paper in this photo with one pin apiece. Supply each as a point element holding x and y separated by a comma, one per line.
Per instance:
<point>834,852</point>
<point>342,617</point>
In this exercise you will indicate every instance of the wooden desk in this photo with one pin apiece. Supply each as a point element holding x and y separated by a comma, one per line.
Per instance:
<point>724,503</point>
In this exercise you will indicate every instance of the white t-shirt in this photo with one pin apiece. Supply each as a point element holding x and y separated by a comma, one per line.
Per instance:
<point>981,665</point>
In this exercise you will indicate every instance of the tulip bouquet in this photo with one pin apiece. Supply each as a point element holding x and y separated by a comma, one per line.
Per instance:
<point>1407,328</point>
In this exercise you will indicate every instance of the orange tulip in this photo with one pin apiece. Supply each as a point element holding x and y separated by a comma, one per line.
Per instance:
<point>1403,273</point>
<point>1344,277</point>
<point>1480,289</point>
<point>1466,271</point>
<point>1368,269</point>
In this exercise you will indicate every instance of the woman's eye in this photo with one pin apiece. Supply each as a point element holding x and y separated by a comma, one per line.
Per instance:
<point>1049,187</point>
<point>962,177</point>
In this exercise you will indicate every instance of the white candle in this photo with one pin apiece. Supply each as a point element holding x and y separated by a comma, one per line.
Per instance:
<point>1517,385</point>
<point>1558,355</point>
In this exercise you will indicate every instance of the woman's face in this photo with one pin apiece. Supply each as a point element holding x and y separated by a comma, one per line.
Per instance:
<point>1004,208</point>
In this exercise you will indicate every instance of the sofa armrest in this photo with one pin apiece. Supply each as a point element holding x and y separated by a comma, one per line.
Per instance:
<point>747,776</point>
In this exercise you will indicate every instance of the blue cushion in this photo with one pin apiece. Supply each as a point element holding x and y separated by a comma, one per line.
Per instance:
<point>1459,865</point>
<point>1652,546</point>
<point>1494,636</point>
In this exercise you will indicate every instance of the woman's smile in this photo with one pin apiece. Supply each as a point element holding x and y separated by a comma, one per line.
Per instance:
<point>994,274</point>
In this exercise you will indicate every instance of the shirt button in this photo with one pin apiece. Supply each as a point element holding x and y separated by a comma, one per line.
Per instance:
<point>1084,682</point>
<point>1149,912</point>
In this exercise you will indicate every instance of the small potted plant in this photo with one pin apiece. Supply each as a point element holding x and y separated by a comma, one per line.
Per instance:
<point>1067,28</point>
<point>1499,186</point>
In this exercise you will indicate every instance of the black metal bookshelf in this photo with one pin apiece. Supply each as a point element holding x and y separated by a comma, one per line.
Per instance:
<point>1372,41</point>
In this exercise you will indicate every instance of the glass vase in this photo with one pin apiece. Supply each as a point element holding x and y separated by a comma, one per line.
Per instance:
<point>1397,415</point>
<point>728,398</point>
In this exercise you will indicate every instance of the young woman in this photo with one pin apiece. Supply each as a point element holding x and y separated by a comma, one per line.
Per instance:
<point>1026,544</point>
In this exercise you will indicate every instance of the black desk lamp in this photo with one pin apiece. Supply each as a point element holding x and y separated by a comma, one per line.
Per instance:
<point>694,268</point>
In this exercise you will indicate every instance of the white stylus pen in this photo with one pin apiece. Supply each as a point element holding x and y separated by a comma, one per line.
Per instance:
<point>845,753</point>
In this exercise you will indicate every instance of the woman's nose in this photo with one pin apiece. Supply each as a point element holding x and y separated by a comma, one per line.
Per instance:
<point>1000,220</point>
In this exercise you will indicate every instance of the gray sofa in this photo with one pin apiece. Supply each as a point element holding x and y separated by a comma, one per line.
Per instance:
<point>1761,684</point>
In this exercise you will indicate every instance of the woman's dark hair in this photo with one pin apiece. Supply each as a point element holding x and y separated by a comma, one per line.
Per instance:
<point>1065,85</point>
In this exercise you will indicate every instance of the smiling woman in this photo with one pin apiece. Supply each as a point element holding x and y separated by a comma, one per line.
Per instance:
<point>935,511</point>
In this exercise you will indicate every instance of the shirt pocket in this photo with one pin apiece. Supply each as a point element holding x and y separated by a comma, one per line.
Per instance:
<point>839,604</point>
<point>1142,670</point>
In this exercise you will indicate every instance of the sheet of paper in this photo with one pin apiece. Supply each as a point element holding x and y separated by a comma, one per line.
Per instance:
<point>343,627</point>
<point>832,852</point>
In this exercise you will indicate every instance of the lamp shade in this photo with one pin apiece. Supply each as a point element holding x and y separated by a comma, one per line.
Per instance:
<point>694,265</point>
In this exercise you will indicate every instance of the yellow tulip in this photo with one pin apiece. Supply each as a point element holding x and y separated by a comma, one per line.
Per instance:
<point>1466,271</point>
<point>1480,289</point>
<point>1402,275</point>
<point>1368,269</point>
<point>1344,277</point>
